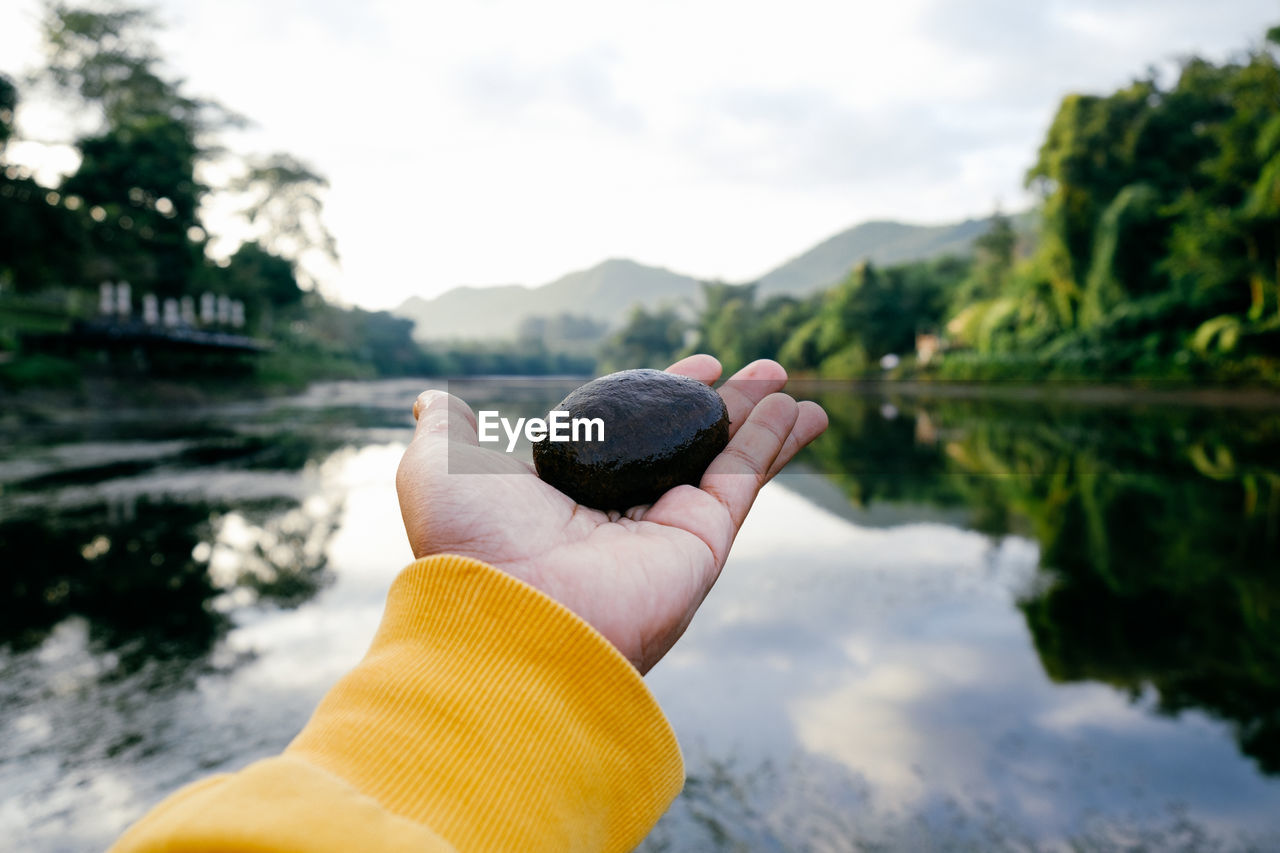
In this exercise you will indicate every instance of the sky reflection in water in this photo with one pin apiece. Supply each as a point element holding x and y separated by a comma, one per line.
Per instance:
<point>889,674</point>
<point>861,676</point>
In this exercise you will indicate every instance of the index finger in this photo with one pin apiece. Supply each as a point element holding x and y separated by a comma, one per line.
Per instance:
<point>742,391</point>
<point>702,367</point>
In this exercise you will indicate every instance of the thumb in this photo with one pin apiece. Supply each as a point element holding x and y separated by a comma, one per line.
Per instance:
<point>440,414</point>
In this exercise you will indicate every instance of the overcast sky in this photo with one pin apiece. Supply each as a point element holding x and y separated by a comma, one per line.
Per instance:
<point>512,142</point>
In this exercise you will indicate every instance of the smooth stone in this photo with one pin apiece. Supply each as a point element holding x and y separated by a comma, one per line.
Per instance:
<point>660,431</point>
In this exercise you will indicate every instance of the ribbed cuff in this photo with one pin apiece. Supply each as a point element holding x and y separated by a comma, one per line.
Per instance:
<point>493,714</point>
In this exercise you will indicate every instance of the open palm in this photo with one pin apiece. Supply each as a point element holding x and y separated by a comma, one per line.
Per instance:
<point>637,577</point>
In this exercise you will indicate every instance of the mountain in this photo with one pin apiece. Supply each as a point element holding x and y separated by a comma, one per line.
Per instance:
<point>882,243</point>
<point>606,292</point>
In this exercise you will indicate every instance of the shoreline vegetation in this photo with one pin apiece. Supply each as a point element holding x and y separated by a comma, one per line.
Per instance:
<point>1152,260</point>
<point>54,405</point>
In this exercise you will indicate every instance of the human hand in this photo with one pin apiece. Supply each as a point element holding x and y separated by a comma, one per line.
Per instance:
<point>636,577</point>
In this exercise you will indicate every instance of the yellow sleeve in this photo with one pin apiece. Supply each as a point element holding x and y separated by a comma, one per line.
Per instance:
<point>485,716</point>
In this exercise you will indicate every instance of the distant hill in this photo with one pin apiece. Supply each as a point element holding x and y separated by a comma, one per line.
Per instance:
<point>881,243</point>
<point>608,290</point>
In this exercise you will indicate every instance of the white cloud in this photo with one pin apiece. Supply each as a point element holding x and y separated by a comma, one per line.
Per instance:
<point>496,142</point>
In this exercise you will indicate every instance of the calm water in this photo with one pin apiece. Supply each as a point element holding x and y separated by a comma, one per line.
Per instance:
<point>958,624</point>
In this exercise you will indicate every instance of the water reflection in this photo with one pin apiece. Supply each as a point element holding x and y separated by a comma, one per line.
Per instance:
<point>129,571</point>
<point>1159,532</point>
<point>140,556</point>
<point>958,624</point>
<point>153,572</point>
<point>879,689</point>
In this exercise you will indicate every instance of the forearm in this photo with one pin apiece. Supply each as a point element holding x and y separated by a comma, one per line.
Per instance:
<point>484,716</point>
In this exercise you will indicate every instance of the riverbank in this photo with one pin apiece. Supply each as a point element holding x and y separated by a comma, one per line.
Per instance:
<point>43,387</point>
<point>103,393</point>
<point>34,405</point>
<point>1102,394</point>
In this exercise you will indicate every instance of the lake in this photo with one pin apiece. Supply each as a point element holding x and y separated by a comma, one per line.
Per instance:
<point>961,620</point>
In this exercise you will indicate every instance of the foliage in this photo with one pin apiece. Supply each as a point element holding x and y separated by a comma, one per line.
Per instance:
<point>39,371</point>
<point>285,204</point>
<point>874,312</point>
<point>871,313</point>
<point>509,360</point>
<point>42,245</point>
<point>646,340</point>
<point>1157,256</point>
<point>1159,225</point>
<point>103,56</point>
<point>563,332</point>
<point>993,258</point>
<point>739,329</point>
<point>8,107</point>
<point>316,340</point>
<point>262,279</point>
<point>131,211</point>
<point>142,177</point>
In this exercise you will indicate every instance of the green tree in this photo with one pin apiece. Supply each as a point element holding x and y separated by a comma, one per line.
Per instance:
<point>42,245</point>
<point>645,340</point>
<point>137,170</point>
<point>8,109</point>
<point>994,254</point>
<point>727,323</point>
<point>141,177</point>
<point>563,332</point>
<point>285,203</point>
<point>1159,242</point>
<point>260,278</point>
<point>872,313</point>
<point>41,242</point>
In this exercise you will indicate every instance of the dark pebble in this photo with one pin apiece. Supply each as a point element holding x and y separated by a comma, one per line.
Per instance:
<point>660,431</point>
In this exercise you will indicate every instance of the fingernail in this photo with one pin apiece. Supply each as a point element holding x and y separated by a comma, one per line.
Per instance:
<point>424,400</point>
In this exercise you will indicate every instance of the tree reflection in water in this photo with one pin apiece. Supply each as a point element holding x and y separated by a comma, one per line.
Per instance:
<point>1159,531</point>
<point>155,576</point>
<point>127,565</point>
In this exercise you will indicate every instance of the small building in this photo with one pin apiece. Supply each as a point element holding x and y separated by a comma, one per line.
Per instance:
<point>928,344</point>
